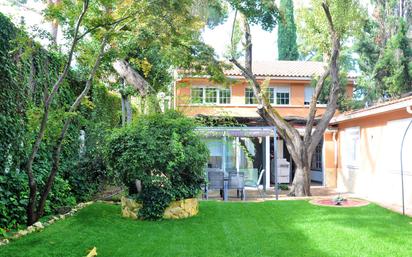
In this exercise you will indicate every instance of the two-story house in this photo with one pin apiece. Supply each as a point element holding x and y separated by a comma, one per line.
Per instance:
<point>289,91</point>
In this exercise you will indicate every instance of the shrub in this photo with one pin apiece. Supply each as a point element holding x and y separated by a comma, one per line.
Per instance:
<point>159,147</point>
<point>155,198</point>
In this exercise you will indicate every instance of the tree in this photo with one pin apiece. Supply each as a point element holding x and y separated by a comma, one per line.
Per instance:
<point>32,214</point>
<point>104,32</point>
<point>287,46</point>
<point>385,52</point>
<point>302,149</point>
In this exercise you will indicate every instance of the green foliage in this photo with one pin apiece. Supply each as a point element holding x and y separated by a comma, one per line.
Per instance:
<point>385,54</point>
<point>156,196</point>
<point>287,46</point>
<point>159,147</point>
<point>394,68</point>
<point>313,25</point>
<point>23,81</point>
<point>261,12</point>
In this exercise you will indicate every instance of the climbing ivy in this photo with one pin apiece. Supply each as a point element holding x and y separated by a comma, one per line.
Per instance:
<point>27,71</point>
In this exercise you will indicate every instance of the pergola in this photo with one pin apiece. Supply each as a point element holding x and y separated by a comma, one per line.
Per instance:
<point>265,133</point>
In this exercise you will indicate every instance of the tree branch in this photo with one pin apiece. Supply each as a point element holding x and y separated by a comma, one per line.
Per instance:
<point>31,217</point>
<point>312,107</point>
<point>335,88</point>
<point>57,148</point>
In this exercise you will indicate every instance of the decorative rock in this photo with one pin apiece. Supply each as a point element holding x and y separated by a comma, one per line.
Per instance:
<point>4,242</point>
<point>130,208</point>
<point>30,229</point>
<point>182,209</point>
<point>176,210</point>
<point>38,225</point>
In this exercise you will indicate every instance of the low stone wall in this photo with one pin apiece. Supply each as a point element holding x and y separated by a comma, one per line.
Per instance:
<point>176,210</point>
<point>130,208</point>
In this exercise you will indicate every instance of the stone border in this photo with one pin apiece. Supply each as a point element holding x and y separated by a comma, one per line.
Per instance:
<point>38,226</point>
<point>176,210</point>
<point>359,203</point>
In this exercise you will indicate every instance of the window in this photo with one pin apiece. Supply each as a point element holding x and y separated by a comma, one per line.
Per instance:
<point>197,95</point>
<point>282,96</point>
<point>309,91</point>
<point>224,96</point>
<point>317,158</point>
<point>352,146</point>
<point>210,95</point>
<point>250,96</point>
<point>279,95</point>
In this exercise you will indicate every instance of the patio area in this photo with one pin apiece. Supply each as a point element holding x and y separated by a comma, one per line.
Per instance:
<point>317,191</point>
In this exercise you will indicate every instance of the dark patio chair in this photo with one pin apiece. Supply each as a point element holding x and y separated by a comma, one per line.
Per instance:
<point>215,181</point>
<point>237,181</point>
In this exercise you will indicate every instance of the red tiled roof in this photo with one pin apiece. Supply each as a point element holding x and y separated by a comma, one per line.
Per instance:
<point>379,105</point>
<point>300,69</point>
<point>283,69</point>
<point>387,106</point>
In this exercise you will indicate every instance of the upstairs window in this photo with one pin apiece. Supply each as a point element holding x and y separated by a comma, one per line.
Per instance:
<point>282,96</point>
<point>224,96</point>
<point>309,91</point>
<point>279,95</point>
<point>197,95</point>
<point>250,96</point>
<point>210,95</point>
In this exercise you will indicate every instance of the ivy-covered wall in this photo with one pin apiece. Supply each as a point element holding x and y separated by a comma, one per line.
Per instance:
<point>27,72</point>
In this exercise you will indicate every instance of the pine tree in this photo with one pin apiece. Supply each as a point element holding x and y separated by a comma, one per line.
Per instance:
<point>287,46</point>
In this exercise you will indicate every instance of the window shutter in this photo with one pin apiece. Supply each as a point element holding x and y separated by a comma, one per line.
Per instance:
<point>309,91</point>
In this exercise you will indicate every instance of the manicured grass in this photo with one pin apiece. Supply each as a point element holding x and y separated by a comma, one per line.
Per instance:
<point>283,228</point>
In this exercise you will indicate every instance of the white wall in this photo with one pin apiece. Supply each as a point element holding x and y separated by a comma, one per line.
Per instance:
<point>378,175</point>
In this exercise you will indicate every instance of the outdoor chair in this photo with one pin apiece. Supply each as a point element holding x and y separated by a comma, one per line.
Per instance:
<point>252,180</point>
<point>215,181</point>
<point>237,181</point>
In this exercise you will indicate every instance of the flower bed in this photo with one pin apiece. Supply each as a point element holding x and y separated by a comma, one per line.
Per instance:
<point>176,209</point>
<point>345,203</point>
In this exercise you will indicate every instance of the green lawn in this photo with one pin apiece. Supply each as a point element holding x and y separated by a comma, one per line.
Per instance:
<point>283,228</point>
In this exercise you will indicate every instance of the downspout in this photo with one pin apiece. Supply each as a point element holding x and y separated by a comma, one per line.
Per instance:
<point>408,110</point>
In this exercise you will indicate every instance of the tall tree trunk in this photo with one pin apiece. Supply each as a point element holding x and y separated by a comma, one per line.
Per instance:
<point>31,214</point>
<point>248,44</point>
<point>128,110</point>
<point>54,23</point>
<point>300,149</point>
<point>57,148</point>
<point>123,100</point>
<point>301,181</point>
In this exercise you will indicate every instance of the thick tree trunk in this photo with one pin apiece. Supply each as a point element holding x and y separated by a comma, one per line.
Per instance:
<point>301,181</point>
<point>300,149</point>
<point>131,76</point>
<point>54,23</point>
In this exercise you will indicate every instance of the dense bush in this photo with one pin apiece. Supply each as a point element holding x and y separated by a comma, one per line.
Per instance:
<point>165,153</point>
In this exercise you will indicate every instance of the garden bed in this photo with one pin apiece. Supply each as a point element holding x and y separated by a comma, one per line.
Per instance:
<point>345,203</point>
